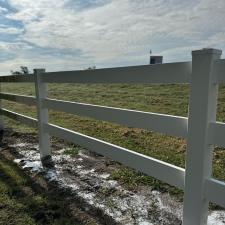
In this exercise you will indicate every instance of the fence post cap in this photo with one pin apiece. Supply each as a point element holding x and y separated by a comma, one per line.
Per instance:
<point>41,70</point>
<point>207,51</point>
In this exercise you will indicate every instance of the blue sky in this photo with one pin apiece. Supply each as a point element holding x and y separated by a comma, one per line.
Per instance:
<point>75,34</point>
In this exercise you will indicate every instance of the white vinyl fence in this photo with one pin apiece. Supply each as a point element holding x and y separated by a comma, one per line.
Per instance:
<point>204,74</point>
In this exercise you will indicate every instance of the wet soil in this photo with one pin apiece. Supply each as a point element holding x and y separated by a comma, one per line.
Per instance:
<point>82,182</point>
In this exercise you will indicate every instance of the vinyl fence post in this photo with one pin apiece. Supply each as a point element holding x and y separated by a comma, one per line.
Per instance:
<point>42,115</point>
<point>1,119</point>
<point>202,111</point>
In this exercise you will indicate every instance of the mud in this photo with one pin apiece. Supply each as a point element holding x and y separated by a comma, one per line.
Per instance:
<point>86,177</point>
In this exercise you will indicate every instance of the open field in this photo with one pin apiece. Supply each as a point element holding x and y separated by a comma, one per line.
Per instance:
<point>169,99</point>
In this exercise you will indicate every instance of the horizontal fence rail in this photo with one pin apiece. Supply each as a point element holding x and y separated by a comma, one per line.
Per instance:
<point>28,78</point>
<point>161,73</point>
<point>164,171</point>
<point>219,71</point>
<point>213,186</point>
<point>29,121</point>
<point>216,134</point>
<point>29,100</point>
<point>202,131</point>
<point>167,124</point>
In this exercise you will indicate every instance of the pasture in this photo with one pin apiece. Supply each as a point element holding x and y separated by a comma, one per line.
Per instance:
<point>168,99</point>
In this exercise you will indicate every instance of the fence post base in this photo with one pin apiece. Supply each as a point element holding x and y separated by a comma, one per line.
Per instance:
<point>47,161</point>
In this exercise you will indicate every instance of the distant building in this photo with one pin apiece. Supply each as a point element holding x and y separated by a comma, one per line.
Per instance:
<point>156,59</point>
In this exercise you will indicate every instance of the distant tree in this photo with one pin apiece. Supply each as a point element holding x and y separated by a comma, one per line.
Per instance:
<point>91,68</point>
<point>23,70</point>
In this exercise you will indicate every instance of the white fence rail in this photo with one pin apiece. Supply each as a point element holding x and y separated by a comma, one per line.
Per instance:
<point>204,73</point>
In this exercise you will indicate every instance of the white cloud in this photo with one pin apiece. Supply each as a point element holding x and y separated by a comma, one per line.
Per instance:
<point>54,63</point>
<point>13,47</point>
<point>10,30</point>
<point>122,31</point>
<point>3,9</point>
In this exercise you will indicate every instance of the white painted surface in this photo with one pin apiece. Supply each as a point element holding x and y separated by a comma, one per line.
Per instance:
<point>219,71</point>
<point>167,124</point>
<point>215,191</point>
<point>42,113</point>
<point>161,73</point>
<point>202,111</point>
<point>30,78</point>
<point>216,134</point>
<point>164,171</point>
<point>29,100</point>
<point>1,116</point>
<point>29,121</point>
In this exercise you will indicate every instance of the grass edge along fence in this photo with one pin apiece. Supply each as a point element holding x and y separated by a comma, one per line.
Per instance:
<point>202,131</point>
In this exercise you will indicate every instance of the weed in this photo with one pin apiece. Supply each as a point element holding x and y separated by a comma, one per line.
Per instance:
<point>72,151</point>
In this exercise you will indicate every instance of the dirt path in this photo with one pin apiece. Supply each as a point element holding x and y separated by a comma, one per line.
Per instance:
<point>34,200</point>
<point>81,181</point>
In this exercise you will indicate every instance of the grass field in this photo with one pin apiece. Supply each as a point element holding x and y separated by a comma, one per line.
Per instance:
<point>169,99</point>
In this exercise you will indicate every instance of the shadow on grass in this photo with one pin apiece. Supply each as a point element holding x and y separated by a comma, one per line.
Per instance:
<point>30,200</point>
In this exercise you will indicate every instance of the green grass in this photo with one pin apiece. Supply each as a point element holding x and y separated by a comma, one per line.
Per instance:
<point>169,99</point>
<point>73,151</point>
<point>25,201</point>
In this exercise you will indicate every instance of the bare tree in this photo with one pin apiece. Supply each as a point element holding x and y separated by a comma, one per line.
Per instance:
<point>23,70</point>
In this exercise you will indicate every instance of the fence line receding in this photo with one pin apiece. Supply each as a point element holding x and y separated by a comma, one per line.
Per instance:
<point>202,131</point>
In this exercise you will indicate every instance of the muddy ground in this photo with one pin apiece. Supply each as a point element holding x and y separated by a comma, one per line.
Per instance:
<point>82,179</point>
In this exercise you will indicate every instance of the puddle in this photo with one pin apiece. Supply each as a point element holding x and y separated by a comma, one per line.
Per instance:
<point>79,174</point>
